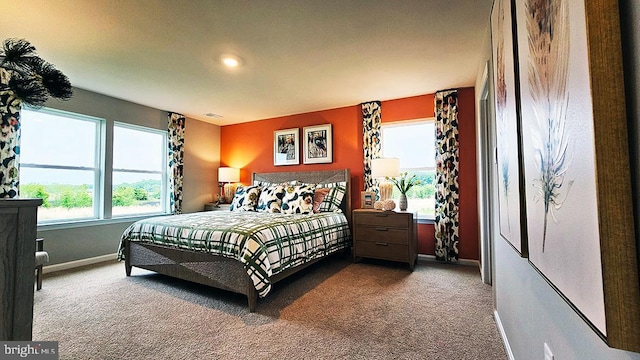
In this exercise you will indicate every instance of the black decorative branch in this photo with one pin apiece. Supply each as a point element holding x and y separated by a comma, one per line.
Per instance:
<point>32,80</point>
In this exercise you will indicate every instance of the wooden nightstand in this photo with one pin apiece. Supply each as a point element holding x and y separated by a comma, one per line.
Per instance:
<point>386,235</point>
<point>213,207</point>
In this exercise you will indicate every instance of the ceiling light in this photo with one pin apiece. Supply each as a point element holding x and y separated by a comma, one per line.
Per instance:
<point>230,61</point>
<point>212,115</point>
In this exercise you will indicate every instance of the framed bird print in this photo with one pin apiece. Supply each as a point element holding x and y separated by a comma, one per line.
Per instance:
<point>317,144</point>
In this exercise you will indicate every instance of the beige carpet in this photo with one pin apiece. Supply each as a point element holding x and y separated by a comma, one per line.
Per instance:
<point>333,310</point>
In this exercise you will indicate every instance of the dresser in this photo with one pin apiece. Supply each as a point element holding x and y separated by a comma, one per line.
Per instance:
<point>386,235</point>
<point>18,219</point>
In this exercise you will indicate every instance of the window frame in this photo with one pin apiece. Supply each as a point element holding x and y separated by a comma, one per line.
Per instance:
<point>164,173</point>
<point>401,123</point>
<point>103,171</point>
<point>98,160</point>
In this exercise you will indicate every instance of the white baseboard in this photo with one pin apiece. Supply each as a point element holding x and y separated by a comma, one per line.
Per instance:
<point>78,263</point>
<point>503,335</point>
<point>467,262</point>
<point>109,257</point>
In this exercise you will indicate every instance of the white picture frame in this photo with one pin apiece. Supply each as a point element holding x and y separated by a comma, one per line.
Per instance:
<point>318,144</point>
<point>286,147</point>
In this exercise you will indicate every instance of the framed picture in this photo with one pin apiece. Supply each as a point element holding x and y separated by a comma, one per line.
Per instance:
<point>286,147</point>
<point>511,220</point>
<point>367,199</point>
<point>577,184</point>
<point>317,144</point>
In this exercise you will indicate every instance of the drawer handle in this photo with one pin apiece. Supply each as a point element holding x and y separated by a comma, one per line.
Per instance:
<point>381,215</point>
<point>382,244</point>
<point>381,229</point>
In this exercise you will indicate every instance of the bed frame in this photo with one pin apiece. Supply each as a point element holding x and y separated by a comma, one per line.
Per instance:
<point>217,271</point>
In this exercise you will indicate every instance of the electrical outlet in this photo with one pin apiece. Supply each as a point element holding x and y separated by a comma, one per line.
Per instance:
<point>548,355</point>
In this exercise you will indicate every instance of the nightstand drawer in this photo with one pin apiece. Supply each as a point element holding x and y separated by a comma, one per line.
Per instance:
<point>385,235</point>
<point>383,219</point>
<point>382,250</point>
<point>381,234</point>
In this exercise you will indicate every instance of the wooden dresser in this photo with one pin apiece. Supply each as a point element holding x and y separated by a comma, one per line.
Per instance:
<point>18,219</point>
<point>386,235</point>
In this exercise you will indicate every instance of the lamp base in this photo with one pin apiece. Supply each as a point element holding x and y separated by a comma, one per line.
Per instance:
<point>386,189</point>
<point>229,190</point>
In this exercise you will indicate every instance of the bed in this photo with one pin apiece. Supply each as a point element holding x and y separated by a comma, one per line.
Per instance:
<point>243,251</point>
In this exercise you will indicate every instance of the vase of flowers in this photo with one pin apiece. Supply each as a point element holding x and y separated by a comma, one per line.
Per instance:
<point>403,202</point>
<point>404,183</point>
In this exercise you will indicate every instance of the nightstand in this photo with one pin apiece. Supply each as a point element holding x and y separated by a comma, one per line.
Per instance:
<point>220,207</point>
<point>386,235</point>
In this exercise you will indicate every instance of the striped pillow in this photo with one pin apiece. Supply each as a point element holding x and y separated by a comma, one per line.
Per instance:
<point>333,199</point>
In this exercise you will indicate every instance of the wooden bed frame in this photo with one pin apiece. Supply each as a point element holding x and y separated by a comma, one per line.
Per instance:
<point>217,271</point>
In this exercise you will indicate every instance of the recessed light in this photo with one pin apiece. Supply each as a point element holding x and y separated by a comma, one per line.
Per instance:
<point>231,61</point>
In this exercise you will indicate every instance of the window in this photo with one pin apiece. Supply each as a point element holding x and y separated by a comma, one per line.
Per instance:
<point>59,163</point>
<point>413,142</point>
<point>139,170</point>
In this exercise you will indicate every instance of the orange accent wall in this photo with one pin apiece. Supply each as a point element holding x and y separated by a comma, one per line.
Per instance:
<point>415,107</point>
<point>249,146</point>
<point>468,175</point>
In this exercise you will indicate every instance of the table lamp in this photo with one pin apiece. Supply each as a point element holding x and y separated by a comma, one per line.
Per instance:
<point>226,177</point>
<point>382,168</point>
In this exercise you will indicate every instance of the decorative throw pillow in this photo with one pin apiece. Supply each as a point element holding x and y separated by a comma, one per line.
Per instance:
<point>333,199</point>
<point>318,196</point>
<point>246,198</point>
<point>271,198</point>
<point>298,199</point>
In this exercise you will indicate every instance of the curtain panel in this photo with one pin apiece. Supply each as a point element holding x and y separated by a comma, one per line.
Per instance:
<point>176,160</point>
<point>447,163</point>
<point>10,107</point>
<point>371,118</point>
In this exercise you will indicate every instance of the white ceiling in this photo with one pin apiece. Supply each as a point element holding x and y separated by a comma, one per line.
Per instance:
<point>298,55</point>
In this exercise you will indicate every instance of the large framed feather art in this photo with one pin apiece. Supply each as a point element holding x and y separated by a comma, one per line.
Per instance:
<point>577,186</point>
<point>510,200</point>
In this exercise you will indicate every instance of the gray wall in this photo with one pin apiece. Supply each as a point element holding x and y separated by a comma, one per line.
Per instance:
<point>201,160</point>
<point>529,310</point>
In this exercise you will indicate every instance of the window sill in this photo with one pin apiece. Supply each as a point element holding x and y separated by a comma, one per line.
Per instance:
<point>426,220</point>
<point>94,222</point>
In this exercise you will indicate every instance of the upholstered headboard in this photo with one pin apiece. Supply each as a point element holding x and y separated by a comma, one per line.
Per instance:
<point>313,177</point>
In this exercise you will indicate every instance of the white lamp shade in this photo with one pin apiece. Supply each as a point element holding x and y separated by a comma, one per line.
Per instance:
<point>384,167</point>
<point>228,174</point>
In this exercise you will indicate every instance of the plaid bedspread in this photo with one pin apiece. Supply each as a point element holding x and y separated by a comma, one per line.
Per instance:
<point>265,243</point>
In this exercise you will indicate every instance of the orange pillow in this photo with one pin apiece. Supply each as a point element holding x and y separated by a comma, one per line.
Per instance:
<point>318,196</point>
